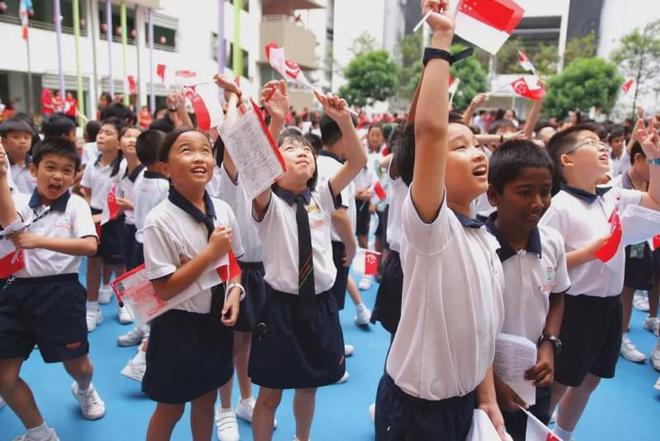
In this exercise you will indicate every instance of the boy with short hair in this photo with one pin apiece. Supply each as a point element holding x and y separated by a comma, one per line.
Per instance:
<point>534,264</point>
<point>16,137</point>
<point>591,326</point>
<point>44,303</point>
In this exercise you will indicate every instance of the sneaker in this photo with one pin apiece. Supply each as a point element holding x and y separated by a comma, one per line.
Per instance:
<point>344,378</point>
<point>641,301</point>
<point>655,357</point>
<point>135,368</point>
<point>652,324</point>
<point>372,412</point>
<point>362,318</point>
<point>52,436</point>
<point>124,316</point>
<point>105,294</point>
<point>348,350</point>
<point>131,338</point>
<point>226,424</point>
<point>630,352</point>
<point>94,318</point>
<point>245,409</point>
<point>657,385</point>
<point>2,402</point>
<point>365,283</point>
<point>92,406</point>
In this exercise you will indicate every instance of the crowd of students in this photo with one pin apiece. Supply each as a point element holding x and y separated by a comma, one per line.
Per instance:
<point>483,227</point>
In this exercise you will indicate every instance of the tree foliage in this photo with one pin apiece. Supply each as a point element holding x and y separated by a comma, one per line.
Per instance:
<point>543,56</point>
<point>371,77</point>
<point>473,76</point>
<point>409,58</point>
<point>584,83</point>
<point>580,47</point>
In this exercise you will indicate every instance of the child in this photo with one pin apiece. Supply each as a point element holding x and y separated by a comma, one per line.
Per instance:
<point>591,326</point>
<point>16,137</point>
<point>439,365</point>
<point>190,351</point>
<point>90,152</point>
<point>534,264</point>
<point>298,343</point>
<point>60,126</point>
<point>616,141</point>
<point>46,291</point>
<point>97,181</point>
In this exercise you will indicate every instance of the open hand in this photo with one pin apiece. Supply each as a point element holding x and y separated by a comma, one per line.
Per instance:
<point>648,138</point>
<point>275,98</point>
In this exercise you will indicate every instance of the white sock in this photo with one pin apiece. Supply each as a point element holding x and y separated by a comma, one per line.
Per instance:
<point>92,306</point>
<point>246,401</point>
<point>39,433</point>
<point>82,391</point>
<point>361,307</point>
<point>563,434</point>
<point>105,286</point>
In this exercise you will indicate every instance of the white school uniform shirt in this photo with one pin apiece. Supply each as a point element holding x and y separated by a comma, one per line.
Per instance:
<point>69,217</point>
<point>278,231</point>
<point>234,194</point>
<point>451,309</point>
<point>327,166</point>
<point>89,153</point>
<point>530,276</point>
<point>398,191</point>
<point>23,180</point>
<point>581,218</point>
<point>149,191</point>
<point>97,178</point>
<point>171,236</point>
<point>126,190</point>
<point>213,187</point>
<point>11,183</point>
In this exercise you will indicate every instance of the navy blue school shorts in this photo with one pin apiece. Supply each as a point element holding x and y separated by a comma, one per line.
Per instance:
<point>591,332</point>
<point>381,229</point>
<point>362,217</point>
<point>111,241</point>
<point>516,422</point>
<point>387,309</point>
<point>402,417</point>
<point>189,355</point>
<point>46,311</point>
<point>290,353</point>
<point>339,288</point>
<point>252,279</point>
<point>640,269</point>
<point>132,251</point>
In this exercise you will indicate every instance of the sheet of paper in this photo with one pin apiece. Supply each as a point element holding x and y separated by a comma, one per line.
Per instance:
<point>639,224</point>
<point>255,157</point>
<point>513,356</point>
<point>482,428</point>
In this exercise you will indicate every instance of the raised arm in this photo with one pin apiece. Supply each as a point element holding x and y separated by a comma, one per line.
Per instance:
<point>474,105</point>
<point>650,141</point>
<point>431,117</point>
<point>534,114</point>
<point>232,94</point>
<point>8,214</point>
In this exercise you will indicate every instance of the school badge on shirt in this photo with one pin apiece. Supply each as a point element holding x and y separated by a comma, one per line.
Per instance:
<point>548,280</point>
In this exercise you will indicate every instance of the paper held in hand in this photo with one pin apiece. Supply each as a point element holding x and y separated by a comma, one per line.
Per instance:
<point>254,152</point>
<point>513,356</point>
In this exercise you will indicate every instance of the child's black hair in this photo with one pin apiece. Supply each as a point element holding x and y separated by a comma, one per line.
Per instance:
<point>163,124</point>
<point>219,151</point>
<point>616,131</point>
<point>511,158</point>
<point>295,136</point>
<point>147,146</point>
<point>118,110</point>
<point>119,125</point>
<point>315,141</point>
<point>56,145</point>
<point>15,125</point>
<point>127,128</point>
<point>171,138</point>
<point>635,150</point>
<point>501,123</point>
<point>330,131</point>
<point>91,130</point>
<point>58,126</point>
<point>563,141</point>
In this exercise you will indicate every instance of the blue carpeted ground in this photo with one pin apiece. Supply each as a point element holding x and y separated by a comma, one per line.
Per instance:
<point>624,409</point>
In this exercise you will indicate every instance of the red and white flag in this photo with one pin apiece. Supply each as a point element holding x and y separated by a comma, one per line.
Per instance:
<point>453,86</point>
<point>524,89</point>
<point>655,243</point>
<point>111,209</point>
<point>487,23</point>
<point>11,260</point>
<point>160,72</point>
<point>132,85</point>
<point>366,262</point>
<point>206,105</point>
<point>613,243</point>
<point>185,74</point>
<point>627,85</point>
<point>525,63</point>
<point>24,9</point>
<point>289,69</point>
<point>379,191</point>
<point>227,269</point>
<point>537,431</point>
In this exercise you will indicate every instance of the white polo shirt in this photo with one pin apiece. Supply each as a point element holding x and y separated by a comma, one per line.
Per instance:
<point>23,179</point>
<point>581,218</point>
<point>171,236</point>
<point>89,153</point>
<point>279,234</point>
<point>327,166</point>
<point>126,190</point>
<point>396,195</point>
<point>69,218</point>
<point>234,194</point>
<point>149,191</point>
<point>97,178</point>
<point>213,187</point>
<point>451,308</point>
<point>11,183</point>
<point>530,276</point>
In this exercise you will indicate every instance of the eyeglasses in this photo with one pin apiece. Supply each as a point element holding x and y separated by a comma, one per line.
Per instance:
<point>599,145</point>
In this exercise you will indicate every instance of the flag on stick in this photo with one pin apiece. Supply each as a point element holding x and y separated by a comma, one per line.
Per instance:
<point>611,246</point>
<point>289,69</point>
<point>522,88</point>
<point>536,430</point>
<point>487,23</point>
<point>160,72</point>
<point>525,63</point>
<point>627,85</point>
<point>205,103</point>
<point>366,262</point>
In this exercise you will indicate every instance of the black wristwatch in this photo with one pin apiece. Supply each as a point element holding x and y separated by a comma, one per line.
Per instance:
<point>552,339</point>
<point>431,53</point>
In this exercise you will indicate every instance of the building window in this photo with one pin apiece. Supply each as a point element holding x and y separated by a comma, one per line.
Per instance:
<point>164,38</point>
<point>43,13</point>
<point>116,24</point>
<point>246,60</point>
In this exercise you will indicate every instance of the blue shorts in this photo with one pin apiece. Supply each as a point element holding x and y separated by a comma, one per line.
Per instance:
<point>252,279</point>
<point>341,281</point>
<point>46,311</point>
<point>387,309</point>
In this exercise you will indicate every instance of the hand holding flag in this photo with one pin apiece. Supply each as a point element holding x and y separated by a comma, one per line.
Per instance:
<point>289,69</point>
<point>206,105</point>
<point>111,209</point>
<point>612,244</point>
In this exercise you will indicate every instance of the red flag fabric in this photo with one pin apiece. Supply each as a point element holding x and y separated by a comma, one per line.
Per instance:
<point>205,103</point>
<point>160,72</point>
<point>611,246</point>
<point>185,74</point>
<point>487,23</point>
<point>627,85</point>
<point>289,69</point>
<point>11,263</point>
<point>656,242</point>
<point>232,269</point>
<point>370,263</point>
<point>521,87</point>
<point>132,86</point>
<point>525,63</point>
<point>111,210</point>
<point>380,191</point>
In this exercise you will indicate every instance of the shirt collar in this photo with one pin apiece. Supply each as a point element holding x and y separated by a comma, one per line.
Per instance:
<point>58,204</point>
<point>153,175</point>
<point>584,195</point>
<point>290,197</point>
<point>135,173</point>
<point>468,221</point>
<point>180,201</point>
<point>506,250</point>
<point>330,155</point>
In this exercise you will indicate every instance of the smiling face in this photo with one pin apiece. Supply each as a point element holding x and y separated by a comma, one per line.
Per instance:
<point>190,161</point>
<point>588,157</point>
<point>300,163</point>
<point>467,167</point>
<point>54,175</point>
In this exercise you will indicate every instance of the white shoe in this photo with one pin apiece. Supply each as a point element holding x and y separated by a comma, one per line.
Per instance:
<point>124,316</point>
<point>362,318</point>
<point>226,425</point>
<point>135,368</point>
<point>132,337</point>
<point>348,350</point>
<point>657,384</point>
<point>630,352</point>
<point>92,406</point>
<point>641,301</point>
<point>365,283</point>
<point>655,357</point>
<point>343,379</point>
<point>105,294</point>
<point>245,409</point>
<point>553,417</point>
<point>94,318</point>
<point>52,436</point>
<point>372,412</point>
<point>652,324</point>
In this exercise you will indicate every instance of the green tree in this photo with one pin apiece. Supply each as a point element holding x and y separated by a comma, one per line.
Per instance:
<point>473,76</point>
<point>365,42</point>
<point>543,56</point>
<point>409,58</point>
<point>371,77</point>
<point>638,56</point>
<point>584,83</point>
<point>580,47</point>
